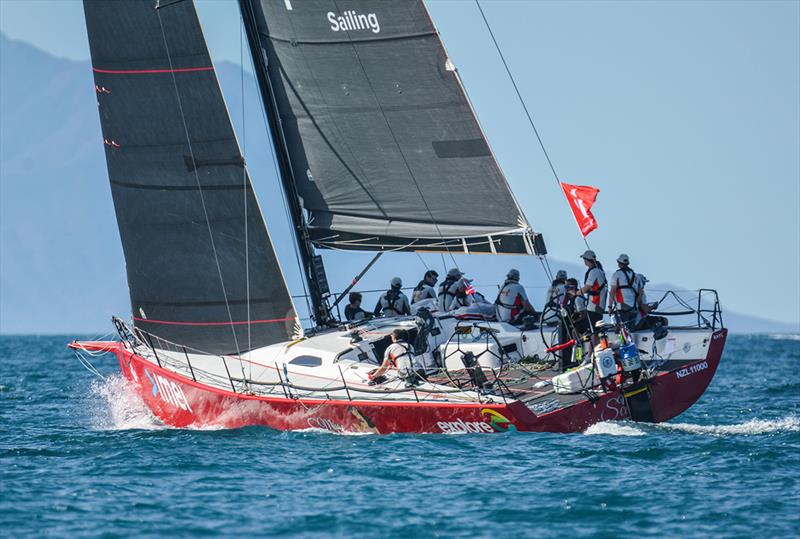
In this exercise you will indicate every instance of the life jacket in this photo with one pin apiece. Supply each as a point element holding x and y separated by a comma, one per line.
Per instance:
<point>391,297</point>
<point>632,284</point>
<point>444,292</point>
<point>421,286</point>
<point>515,307</point>
<point>407,353</point>
<point>571,303</point>
<point>555,293</point>
<point>595,293</point>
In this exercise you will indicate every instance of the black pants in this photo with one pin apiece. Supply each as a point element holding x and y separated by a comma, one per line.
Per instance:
<point>593,317</point>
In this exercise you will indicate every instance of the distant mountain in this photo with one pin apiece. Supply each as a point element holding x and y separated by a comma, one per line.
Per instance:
<point>61,263</point>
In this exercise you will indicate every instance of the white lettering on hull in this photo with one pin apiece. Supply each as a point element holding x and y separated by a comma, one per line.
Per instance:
<point>461,426</point>
<point>168,391</point>
<point>692,369</point>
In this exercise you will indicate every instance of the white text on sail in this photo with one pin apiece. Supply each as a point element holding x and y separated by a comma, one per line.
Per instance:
<point>350,20</point>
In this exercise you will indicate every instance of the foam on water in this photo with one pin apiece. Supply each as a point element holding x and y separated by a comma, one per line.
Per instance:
<point>785,336</point>
<point>613,428</point>
<point>754,427</point>
<point>119,407</point>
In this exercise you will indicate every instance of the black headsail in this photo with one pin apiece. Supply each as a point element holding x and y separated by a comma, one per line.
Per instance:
<point>384,148</point>
<point>201,267</point>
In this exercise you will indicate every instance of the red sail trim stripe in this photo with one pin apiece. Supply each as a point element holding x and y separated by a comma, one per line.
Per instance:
<point>172,323</point>
<point>146,71</point>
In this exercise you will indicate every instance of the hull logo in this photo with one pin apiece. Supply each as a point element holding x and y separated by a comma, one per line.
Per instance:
<point>497,421</point>
<point>461,426</point>
<point>168,391</point>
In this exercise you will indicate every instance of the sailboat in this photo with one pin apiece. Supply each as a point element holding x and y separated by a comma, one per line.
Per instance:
<point>378,149</point>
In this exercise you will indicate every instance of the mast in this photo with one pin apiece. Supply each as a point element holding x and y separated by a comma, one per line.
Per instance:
<point>312,265</point>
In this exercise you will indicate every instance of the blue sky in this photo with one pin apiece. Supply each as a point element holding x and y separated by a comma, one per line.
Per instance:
<point>686,115</point>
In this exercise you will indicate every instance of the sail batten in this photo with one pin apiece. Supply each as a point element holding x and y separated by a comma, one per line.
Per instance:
<point>202,271</point>
<point>385,149</point>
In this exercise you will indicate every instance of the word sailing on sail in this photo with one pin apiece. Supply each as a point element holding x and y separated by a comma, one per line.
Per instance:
<point>351,20</point>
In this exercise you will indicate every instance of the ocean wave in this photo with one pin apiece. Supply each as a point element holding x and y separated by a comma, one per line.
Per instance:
<point>785,336</point>
<point>613,428</point>
<point>753,427</point>
<point>317,430</point>
<point>119,407</point>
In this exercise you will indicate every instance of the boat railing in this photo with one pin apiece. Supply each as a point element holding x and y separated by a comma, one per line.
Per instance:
<point>701,306</point>
<point>177,358</point>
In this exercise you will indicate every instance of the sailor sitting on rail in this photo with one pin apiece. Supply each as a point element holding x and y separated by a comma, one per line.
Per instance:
<point>512,301</point>
<point>424,290</point>
<point>555,296</point>
<point>624,295</point>
<point>393,302</point>
<point>453,293</point>
<point>398,355</point>
<point>353,310</point>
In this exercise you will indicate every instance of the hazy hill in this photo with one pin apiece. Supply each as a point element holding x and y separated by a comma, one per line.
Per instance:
<point>61,264</point>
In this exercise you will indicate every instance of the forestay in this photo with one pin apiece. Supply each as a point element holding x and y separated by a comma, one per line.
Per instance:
<point>385,149</point>
<point>202,271</point>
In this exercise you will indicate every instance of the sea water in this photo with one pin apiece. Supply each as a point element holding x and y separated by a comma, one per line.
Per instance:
<point>82,456</point>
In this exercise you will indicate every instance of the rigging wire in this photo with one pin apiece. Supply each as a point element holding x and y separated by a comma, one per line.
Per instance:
<point>245,193</point>
<point>199,185</point>
<point>521,100</point>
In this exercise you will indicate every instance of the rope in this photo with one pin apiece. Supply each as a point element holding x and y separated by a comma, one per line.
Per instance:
<point>197,179</point>
<point>522,101</point>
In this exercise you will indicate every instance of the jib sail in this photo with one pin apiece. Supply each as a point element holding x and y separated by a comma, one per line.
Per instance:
<point>385,150</point>
<point>202,271</point>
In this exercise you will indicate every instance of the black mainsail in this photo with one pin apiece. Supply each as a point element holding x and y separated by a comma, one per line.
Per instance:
<point>201,268</point>
<point>384,149</point>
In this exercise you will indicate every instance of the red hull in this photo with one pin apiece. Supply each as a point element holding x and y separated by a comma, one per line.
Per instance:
<point>181,402</point>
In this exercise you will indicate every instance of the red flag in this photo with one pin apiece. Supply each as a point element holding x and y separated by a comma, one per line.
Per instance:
<point>581,198</point>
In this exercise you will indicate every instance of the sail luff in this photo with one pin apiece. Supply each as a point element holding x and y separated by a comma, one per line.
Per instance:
<point>250,16</point>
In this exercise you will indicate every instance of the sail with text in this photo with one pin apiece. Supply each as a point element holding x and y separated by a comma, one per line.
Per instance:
<point>385,149</point>
<point>201,268</point>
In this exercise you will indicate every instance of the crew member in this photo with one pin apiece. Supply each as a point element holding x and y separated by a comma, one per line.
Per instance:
<point>397,356</point>
<point>453,291</point>
<point>393,302</point>
<point>512,301</point>
<point>555,297</point>
<point>353,310</point>
<point>425,288</point>
<point>594,287</point>
<point>647,321</point>
<point>624,292</point>
<point>575,305</point>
